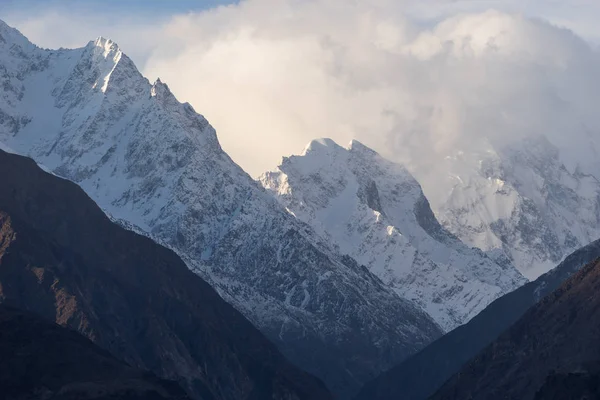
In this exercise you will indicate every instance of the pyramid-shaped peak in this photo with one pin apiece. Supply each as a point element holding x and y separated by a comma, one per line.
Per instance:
<point>322,146</point>
<point>101,41</point>
<point>107,47</point>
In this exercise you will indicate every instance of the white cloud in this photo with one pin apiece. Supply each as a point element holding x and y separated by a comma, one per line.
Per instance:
<point>415,81</point>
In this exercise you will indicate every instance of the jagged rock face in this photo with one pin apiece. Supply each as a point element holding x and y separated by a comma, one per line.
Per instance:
<point>522,203</point>
<point>418,377</point>
<point>374,211</point>
<point>156,166</point>
<point>41,360</point>
<point>62,258</point>
<point>557,335</point>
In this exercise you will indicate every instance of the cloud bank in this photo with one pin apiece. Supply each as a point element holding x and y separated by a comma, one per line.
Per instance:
<point>417,84</point>
<point>273,74</point>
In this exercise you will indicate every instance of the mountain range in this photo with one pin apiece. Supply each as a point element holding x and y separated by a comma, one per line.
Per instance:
<point>337,256</point>
<point>155,166</point>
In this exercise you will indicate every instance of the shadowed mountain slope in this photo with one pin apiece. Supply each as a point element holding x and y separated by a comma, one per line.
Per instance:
<point>61,257</point>
<point>41,360</point>
<point>556,339</point>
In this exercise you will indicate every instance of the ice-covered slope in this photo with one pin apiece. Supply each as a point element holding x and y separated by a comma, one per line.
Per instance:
<point>520,202</point>
<point>374,211</point>
<point>156,165</point>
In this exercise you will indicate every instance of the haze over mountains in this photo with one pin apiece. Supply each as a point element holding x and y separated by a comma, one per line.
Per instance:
<point>521,202</point>
<point>450,98</point>
<point>336,256</point>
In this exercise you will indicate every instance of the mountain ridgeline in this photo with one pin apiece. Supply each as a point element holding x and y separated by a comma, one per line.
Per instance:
<point>181,265</point>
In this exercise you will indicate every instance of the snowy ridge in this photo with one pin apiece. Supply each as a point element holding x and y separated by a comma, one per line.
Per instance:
<point>374,211</point>
<point>156,166</point>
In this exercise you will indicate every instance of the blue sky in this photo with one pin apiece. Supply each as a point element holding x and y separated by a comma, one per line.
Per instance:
<point>141,6</point>
<point>72,23</point>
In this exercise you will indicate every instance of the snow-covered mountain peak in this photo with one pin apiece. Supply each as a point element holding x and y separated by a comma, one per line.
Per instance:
<point>111,66</point>
<point>322,148</point>
<point>330,160</point>
<point>319,155</point>
<point>107,47</point>
<point>374,210</point>
<point>326,147</point>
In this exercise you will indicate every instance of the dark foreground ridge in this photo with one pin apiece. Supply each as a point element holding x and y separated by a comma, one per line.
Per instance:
<point>63,259</point>
<point>41,360</point>
<point>552,348</point>
<point>421,375</point>
<point>579,385</point>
